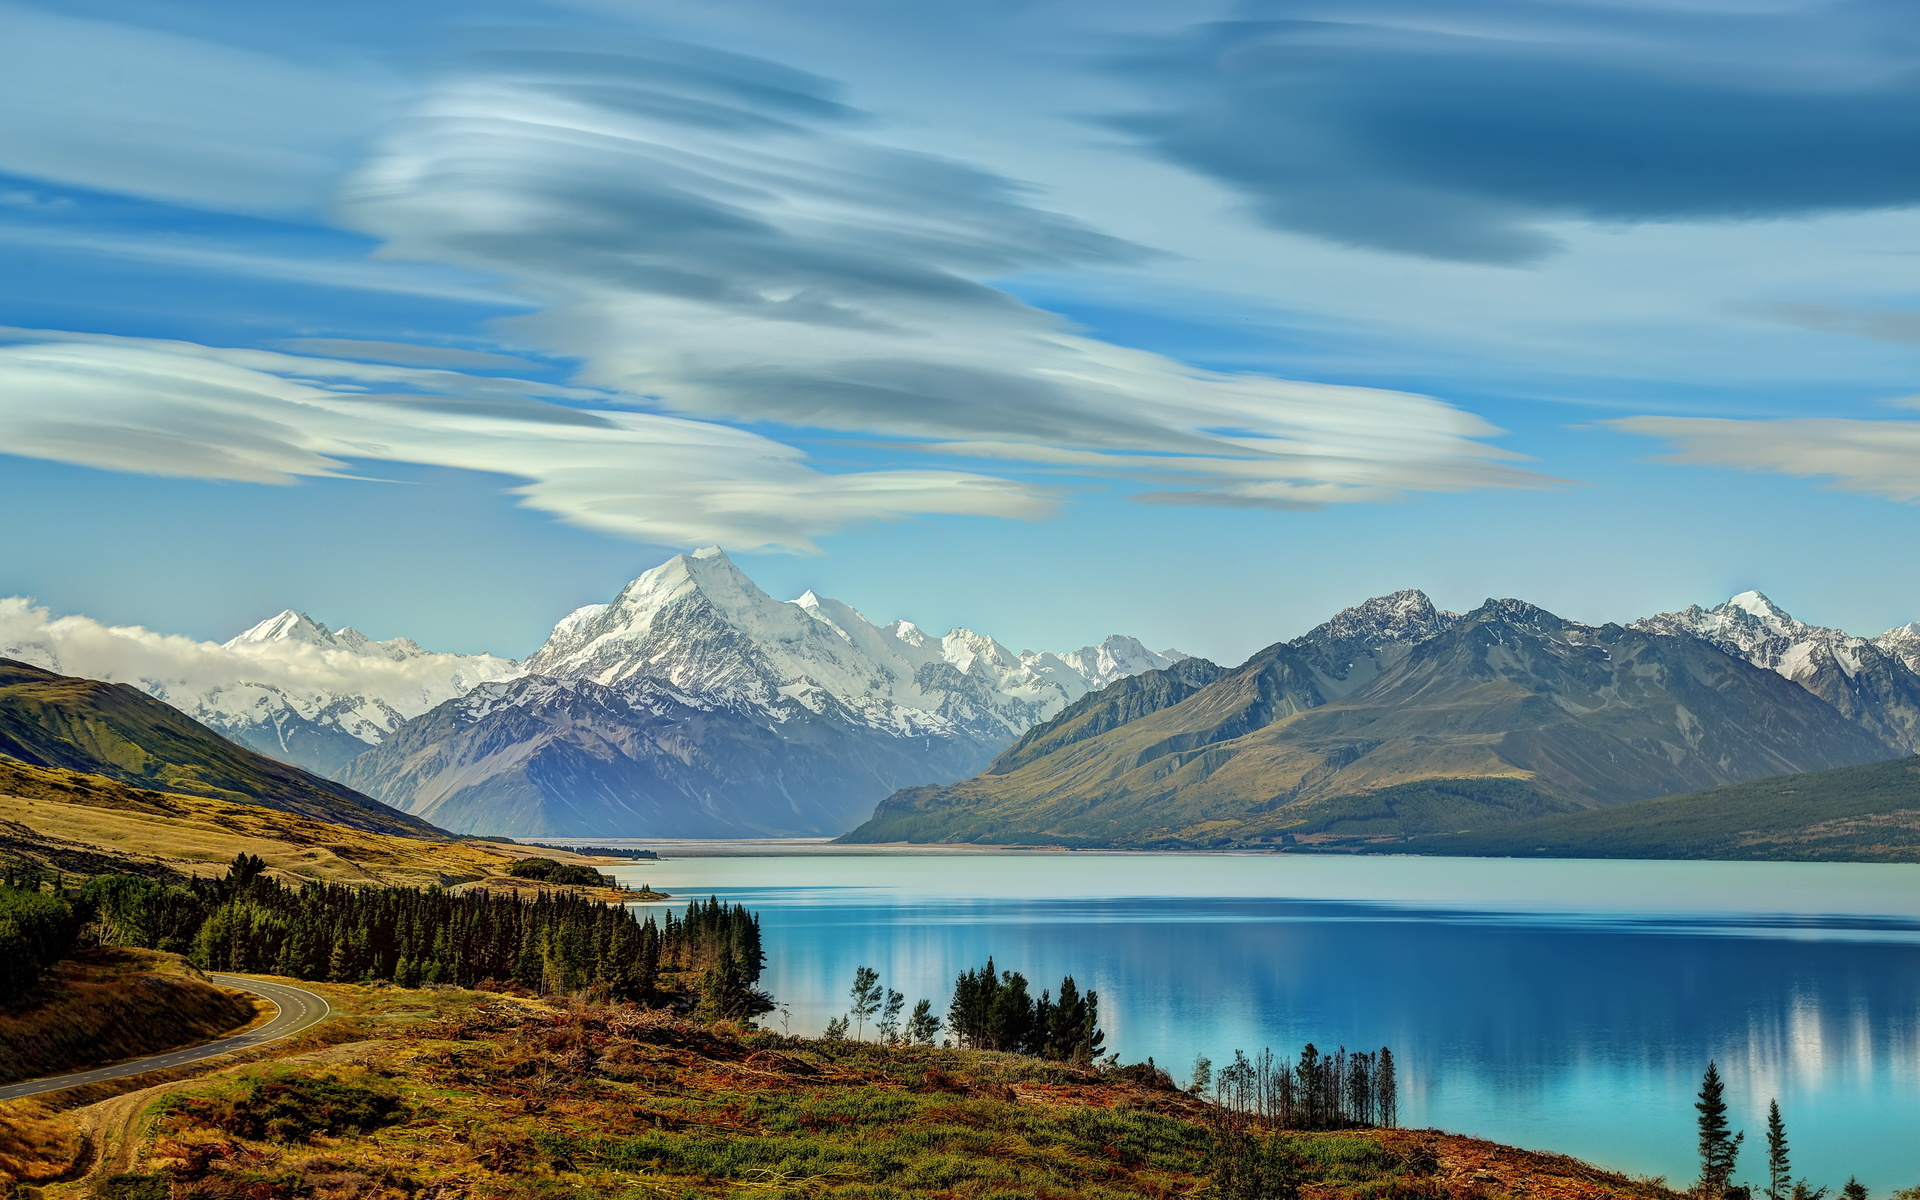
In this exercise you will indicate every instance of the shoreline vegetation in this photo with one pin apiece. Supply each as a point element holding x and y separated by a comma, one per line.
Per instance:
<point>561,1048</point>
<point>451,1093</point>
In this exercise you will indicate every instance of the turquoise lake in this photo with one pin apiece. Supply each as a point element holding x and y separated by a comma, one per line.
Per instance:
<point>1558,1005</point>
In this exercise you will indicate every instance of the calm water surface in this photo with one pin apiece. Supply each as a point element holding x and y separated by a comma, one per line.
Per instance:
<point>1559,1005</point>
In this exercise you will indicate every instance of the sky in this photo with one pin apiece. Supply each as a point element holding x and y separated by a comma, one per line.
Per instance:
<point>1048,318</point>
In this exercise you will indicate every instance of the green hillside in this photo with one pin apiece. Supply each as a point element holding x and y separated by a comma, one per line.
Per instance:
<point>110,729</point>
<point>1854,814</point>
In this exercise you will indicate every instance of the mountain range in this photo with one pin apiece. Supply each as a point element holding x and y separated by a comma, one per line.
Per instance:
<point>288,687</point>
<point>696,705</point>
<point>1396,718</point>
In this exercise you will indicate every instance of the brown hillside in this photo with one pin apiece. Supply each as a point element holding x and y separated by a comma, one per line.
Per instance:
<point>120,732</point>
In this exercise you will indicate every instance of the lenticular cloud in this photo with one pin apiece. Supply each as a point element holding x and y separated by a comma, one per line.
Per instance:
<point>177,408</point>
<point>721,234</point>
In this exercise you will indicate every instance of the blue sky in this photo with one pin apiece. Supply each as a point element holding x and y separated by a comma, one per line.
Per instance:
<point>1052,319</point>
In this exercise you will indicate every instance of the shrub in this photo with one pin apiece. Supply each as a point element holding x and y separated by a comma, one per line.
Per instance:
<point>293,1108</point>
<point>132,1186</point>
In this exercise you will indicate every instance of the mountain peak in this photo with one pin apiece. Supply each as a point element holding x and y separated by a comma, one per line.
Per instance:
<point>1406,615</point>
<point>1756,604</point>
<point>287,626</point>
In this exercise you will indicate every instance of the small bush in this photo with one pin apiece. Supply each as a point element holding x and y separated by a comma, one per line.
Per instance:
<point>132,1186</point>
<point>295,1108</point>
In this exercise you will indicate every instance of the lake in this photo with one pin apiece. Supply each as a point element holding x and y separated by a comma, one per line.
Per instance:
<point>1558,1005</point>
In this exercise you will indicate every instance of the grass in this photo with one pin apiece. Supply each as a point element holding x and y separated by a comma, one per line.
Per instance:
<point>446,1094</point>
<point>92,824</point>
<point>109,1005</point>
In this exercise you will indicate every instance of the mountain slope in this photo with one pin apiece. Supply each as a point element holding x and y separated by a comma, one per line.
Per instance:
<point>1867,680</point>
<point>696,705</point>
<point>91,825</point>
<point>114,730</point>
<point>1503,714</point>
<point>1867,813</point>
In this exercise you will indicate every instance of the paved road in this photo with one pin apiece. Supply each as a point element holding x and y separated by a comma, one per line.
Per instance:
<point>299,1009</point>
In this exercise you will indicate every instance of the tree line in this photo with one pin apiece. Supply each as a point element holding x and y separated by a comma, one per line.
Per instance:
<point>1347,1089</point>
<point>990,1010</point>
<point>250,922</point>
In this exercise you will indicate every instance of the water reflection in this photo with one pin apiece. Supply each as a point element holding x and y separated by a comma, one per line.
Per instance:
<point>1578,1031</point>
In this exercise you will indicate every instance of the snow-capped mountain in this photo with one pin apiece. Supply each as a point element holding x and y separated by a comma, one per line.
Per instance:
<point>289,687</point>
<point>695,703</point>
<point>698,624</point>
<point>1873,681</point>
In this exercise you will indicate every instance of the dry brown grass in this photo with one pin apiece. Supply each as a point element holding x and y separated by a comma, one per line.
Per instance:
<point>109,1005</point>
<point>503,1099</point>
<point>199,836</point>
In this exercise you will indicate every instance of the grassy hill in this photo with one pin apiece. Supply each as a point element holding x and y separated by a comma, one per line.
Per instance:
<point>1869,813</point>
<point>91,825</point>
<point>110,729</point>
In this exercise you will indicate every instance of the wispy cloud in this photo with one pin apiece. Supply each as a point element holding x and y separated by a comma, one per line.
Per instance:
<point>1459,132</point>
<point>726,236</point>
<point>176,408</point>
<point>1878,458</point>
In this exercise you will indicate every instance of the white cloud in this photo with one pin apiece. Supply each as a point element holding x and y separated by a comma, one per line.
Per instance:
<point>248,680</point>
<point>1878,458</point>
<point>176,408</point>
<point>722,234</point>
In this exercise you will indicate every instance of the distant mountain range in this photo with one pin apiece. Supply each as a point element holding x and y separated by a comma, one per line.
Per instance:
<point>288,687</point>
<point>696,705</point>
<point>1395,718</point>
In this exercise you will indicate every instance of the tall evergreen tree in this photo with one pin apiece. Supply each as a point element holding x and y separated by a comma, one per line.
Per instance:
<point>1719,1149</point>
<point>1779,1168</point>
<point>889,1022</point>
<point>866,998</point>
<point>1854,1190</point>
<point>923,1026</point>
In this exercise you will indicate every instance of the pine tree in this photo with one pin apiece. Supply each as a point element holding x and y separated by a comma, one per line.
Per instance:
<point>889,1022</point>
<point>1779,1168</point>
<point>1854,1190</point>
<point>866,998</point>
<point>1719,1150</point>
<point>923,1026</point>
<point>1386,1088</point>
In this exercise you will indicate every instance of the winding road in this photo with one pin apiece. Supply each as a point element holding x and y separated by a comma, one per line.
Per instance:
<point>299,1010</point>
